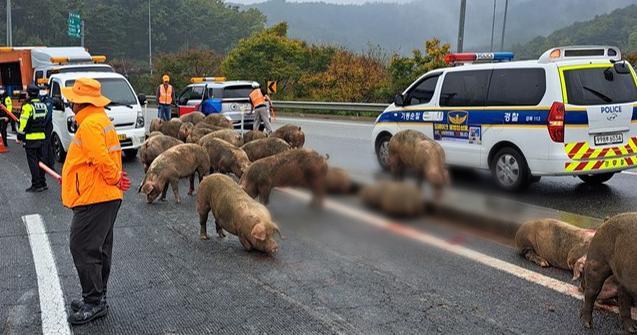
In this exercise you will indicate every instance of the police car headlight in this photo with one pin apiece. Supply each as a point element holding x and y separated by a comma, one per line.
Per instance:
<point>71,124</point>
<point>139,123</point>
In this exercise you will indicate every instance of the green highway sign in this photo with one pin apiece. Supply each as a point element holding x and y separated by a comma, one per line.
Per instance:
<point>74,25</point>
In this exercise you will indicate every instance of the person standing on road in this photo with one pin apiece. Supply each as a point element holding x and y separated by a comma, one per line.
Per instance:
<point>165,97</point>
<point>31,132</point>
<point>5,99</point>
<point>4,119</point>
<point>47,145</point>
<point>260,108</point>
<point>93,183</point>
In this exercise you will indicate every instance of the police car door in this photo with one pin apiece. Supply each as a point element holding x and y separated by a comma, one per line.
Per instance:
<point>420,106</point>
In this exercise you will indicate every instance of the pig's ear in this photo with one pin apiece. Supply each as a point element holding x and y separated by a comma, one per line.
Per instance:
<point>258,232</point>
<point>147,188</point>
<point>578,268</point>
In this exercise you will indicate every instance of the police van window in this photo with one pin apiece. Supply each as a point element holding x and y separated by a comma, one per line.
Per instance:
<point>38,75</point>
<point>55,90</point>
<point>423,92</point>
<point>516,87</point>
<point>465,88</point>
<point>599,86</point>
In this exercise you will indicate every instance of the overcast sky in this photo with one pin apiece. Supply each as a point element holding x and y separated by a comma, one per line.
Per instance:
<point>245,2</point>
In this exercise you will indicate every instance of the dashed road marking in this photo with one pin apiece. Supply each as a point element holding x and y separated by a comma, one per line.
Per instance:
<point>417,235</point>
<point>53,311</point>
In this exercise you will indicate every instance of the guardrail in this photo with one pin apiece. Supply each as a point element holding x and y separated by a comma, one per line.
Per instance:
<point>317,105</point>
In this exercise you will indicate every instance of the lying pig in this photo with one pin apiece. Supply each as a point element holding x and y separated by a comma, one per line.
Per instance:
<point>228,135</point>
<point>225,157</point>
<point>338,181</point>
<point>291,134</point>
<point>253,135</point>
<point>295,167</point>
<point>612,251</point>
<point>197,133</point>
<point>396,199</point>
<point>217,120</point>
<point>178,162</point>
<point>184,130</point>
<point>235,212</point>
<point>193,117</point>
<point>412,150</point>
<point>154,146</point>
<point>264,147</point>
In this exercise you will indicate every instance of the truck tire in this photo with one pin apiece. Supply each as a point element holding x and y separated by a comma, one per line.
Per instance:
<point>510,170</point>
<point>596,179</point>
<point>58,149</point>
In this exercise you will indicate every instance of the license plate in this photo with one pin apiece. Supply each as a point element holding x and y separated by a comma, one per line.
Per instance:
<point>121,137</point>
<point>608,139</point>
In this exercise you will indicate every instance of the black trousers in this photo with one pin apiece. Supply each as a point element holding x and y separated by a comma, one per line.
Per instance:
<point>34,156</point>
<point>47,152</point>
<point>3,130</point>
<point>91,245</point>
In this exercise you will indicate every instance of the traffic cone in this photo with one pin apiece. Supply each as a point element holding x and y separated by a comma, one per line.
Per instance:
<point>3,149</point>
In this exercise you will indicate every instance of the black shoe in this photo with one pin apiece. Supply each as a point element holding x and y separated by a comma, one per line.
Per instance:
<point>88,313</point>
<point>77,304</point>
<point>31,189</point>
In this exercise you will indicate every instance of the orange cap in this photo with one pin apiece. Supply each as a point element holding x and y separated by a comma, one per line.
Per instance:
<point>165,78</point>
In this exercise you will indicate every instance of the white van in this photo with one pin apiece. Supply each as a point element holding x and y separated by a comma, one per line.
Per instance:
<point>571,112</point>
<point>124,111</point>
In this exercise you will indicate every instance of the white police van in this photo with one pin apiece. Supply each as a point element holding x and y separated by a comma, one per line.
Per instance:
<point>571,112</point>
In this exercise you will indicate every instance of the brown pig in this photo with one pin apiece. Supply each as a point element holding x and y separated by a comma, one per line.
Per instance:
<point>154,146</point>
<point>253,135</point>
<point>612,252</point>
<point>155,133</point>
<point>197,133</point>
<point>193,117</point>
<point>295,167</point>
<point>291,134</point>
<point>412,150</point>
<point>217,120</point>
<point>264,147</point>
<point>397,199</point>
<point>228,135</point>
<point>184,130</point>
<point>155,125</point>
<point>225,157</point>
<point>180,161</point>
<point>338,181</point>
<point>235,212</point>
<point>171,128</point>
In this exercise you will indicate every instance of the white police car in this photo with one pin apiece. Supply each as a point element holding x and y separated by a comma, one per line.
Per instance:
<point>571,112</point>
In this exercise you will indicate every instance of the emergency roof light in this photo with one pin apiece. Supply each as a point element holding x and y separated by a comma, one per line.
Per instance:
<point>196,80</point>
<point>6,49</point>
<point>60,60</point>
<point>42,81</point>
<point>470,57</point>
<point>98,59</point>
<point>581,52</point>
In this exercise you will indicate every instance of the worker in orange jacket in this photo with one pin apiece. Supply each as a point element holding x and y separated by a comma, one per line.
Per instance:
<point>260,109</point>
<point>93,183</point>
<point>165,98</point>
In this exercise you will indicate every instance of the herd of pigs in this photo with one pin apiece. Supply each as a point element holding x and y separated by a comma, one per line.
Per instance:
<point>234,169</point>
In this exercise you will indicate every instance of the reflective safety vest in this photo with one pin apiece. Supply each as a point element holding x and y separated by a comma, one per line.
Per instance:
<point>33,120</point>
<point>8,103</point>
<point>257,98</point>
<point>165,95</point>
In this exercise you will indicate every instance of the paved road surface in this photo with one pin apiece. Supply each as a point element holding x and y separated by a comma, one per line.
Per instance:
<point>336,273</point>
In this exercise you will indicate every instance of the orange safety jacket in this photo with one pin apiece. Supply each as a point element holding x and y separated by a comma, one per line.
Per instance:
<point>93,165</point>
<point>257,98</point>
<point>165,94</point>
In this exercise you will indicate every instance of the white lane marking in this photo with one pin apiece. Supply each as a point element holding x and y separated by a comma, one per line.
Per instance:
<point>630,173</point>
<point>341,123</point>
<point>414,234</point>
<point>53,311</point>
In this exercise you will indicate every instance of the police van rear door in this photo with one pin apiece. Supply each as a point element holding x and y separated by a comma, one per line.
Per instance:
<point>599,102</point>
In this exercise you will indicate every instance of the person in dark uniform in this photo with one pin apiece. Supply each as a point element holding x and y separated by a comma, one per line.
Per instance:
<point>32,133</point>
<point>48,157</point>
<point>4,119</point>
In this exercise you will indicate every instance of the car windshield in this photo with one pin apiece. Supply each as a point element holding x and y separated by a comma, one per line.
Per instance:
<point>116,89</point>
<point>599,86</point>
<point>234,92</point>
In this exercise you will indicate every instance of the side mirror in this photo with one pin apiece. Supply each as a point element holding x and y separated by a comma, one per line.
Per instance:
<point>58,104</point>
<point>142,99</point>
<point>399,100</point>
<point>621,67</point>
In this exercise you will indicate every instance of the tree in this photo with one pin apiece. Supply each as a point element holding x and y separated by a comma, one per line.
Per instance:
<point>404,70</point>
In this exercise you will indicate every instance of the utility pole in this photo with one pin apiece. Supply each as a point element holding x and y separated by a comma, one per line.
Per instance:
<point>82,33</point>
<point>463,9</point>
<point>9,25</point>
<point>150,42</point>
<point>504,23</point>
<point>493,24</point>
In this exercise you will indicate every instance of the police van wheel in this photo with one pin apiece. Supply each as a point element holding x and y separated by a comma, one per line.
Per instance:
<point>510,170</point>
<point>596,179</point>
<point>58,149</point>
<point>382,151</point>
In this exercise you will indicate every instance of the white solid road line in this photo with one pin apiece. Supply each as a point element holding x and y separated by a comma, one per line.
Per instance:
<point>53,311</point>
<point>630,173</point>
<point>414,234</point>
<point>341,123</point>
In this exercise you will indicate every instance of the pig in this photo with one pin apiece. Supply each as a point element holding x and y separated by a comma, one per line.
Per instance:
<point>193,117</point>
<point>203,125</point>
<point>237,213</point>
<point>169,128</point>
<point>197,133</point>
<point>155,133</point>
<point>412,150</point>
<point>228,135</point>
<point>218,120</point>
<point>338,181</point>
<point>180,161</point>
<point>612,252</point>
<point>396,199</point>
<point>184,130</point>
<point>225,157</point>
<point>155,125</point>
<point>253,135</point>
<point>154,146</point>
<point>291,134</point>
<point>294,167</point>
<point>265,147</point>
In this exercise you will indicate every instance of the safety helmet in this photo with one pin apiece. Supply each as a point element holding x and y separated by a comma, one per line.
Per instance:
<point>165,78</point>
<point>33,90</point>
<point>255,85</point>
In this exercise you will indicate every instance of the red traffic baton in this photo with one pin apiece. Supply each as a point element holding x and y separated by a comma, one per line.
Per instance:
<point>9,113</point>
<point>50,172</point>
